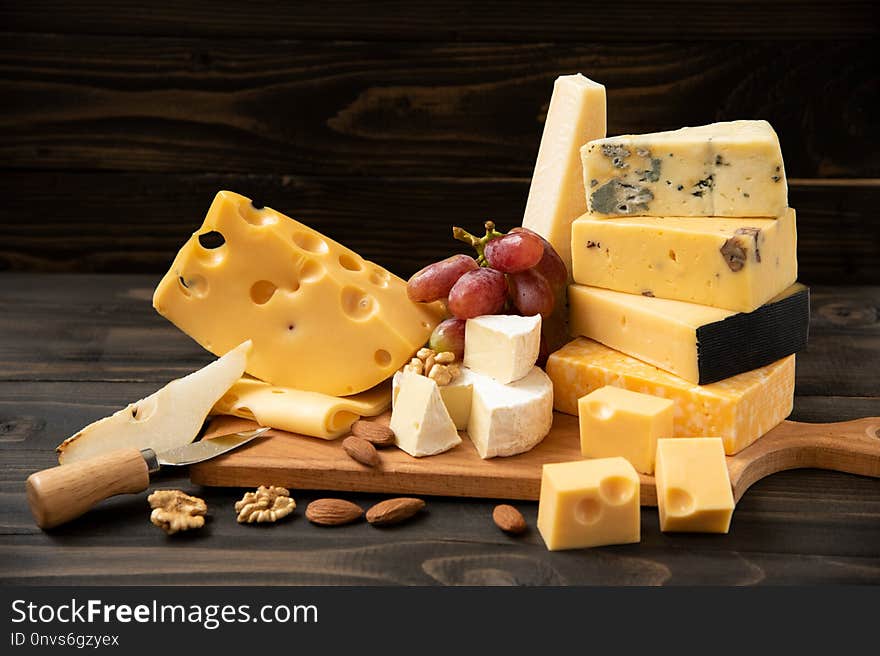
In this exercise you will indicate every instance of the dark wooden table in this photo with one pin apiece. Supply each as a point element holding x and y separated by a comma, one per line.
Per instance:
<point>74,348</point>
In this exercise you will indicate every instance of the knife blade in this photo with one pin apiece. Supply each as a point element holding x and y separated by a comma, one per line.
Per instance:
<point>65,492</point>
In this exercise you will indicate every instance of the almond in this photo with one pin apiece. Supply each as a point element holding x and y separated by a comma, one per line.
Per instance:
<point>509,519</point>
<point>361,450</point>
<point>333,512</point>
<point>377,434</point>
<point>394,511</point>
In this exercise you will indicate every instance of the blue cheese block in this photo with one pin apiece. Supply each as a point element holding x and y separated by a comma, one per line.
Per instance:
<point>723,169</point>
<point>698,343</point>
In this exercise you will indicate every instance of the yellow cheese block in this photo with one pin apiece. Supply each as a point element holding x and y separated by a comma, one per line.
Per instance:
<point>589,503</point>
<point>736,264</point>
<point>723,169</point>
<point>693,485</point>
<point>617,422</point>
<point>321,318</point>
<point>296,411</point>
<point>556,197</point>
<point>738,409</point>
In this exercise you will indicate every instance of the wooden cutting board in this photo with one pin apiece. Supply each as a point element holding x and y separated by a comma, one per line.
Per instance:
<point>299,462</point>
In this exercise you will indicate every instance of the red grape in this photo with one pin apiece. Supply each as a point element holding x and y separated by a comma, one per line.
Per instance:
<point>436,280</point>
<point>550,265</point>
<point>531,293</point>
<point>477,293</point>
<point>449,336</point>
<point>514,252</point>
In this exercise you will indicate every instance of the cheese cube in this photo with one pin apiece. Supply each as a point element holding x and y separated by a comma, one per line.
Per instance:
<point>693,485</point>
<point>456,396</point>
<point>575,116</point>
<point>736,264</point>
<point>421,424</point>
<point>513,418</point>
<point>739,409</point>
<point>321,318</point>
<point>504,347</point>
<point>589,503</point>
<point>617,422</point>
<point>701,344</point>
<point>722,169</point>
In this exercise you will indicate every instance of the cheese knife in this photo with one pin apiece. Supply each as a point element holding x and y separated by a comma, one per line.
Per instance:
<point>60,494</point>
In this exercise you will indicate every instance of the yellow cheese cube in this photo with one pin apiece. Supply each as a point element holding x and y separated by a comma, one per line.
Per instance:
<point>693,485</point>
<point>617,422</point>
<point>321,318</point>
<point>589,503</point>
<point>736,264</point>
<point>739,409</point>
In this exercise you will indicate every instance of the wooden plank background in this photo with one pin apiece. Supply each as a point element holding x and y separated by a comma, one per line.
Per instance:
<point>384,123</point>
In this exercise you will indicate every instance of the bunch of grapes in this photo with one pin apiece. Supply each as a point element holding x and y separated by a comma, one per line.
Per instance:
<point>514,273</point>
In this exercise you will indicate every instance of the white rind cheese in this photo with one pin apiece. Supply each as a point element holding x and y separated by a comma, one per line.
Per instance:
<point>504,347</point>
<point>722,169</point>
<point>421,424</point>
<point>513,418</point>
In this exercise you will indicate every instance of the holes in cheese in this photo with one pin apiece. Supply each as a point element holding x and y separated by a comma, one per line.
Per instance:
<point>616,490</point>
<point>334,323</point>
<point>211,240</point>
<point>588,510</point>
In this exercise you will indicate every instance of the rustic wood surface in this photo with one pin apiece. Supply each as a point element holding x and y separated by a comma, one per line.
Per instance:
<point>75,348</point>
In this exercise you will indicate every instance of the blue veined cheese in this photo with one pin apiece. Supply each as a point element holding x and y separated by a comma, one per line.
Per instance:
<point>722,169</point>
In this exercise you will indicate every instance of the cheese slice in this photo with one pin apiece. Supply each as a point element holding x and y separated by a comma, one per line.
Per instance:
<point>456,396</point>
<point>513,418</point>
<point>321,318</point>
<point>735,264</point>
<point>575,116</point>
<point>722,169</point>
<point>296,411</point>
<point>421,424</point>
<point>739,409</point>
<point>504,347</point>
<point>701,344</point>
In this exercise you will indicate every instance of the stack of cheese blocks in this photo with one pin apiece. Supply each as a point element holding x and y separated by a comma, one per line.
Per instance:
<point>682,250</point>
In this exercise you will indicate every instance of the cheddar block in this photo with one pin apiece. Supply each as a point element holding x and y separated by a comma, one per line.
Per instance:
<point>589,503</point>
<point>421,424</point>
<point>701,344</point>
<point>617,422</point>
<point>296,411</point>
<point>739,409</point>
<point>321,318</point>
<point>504,347</point>
<point>735,264</point>
<point>456,396</point>
<point>693,486</point>
<point>556,196</point>
<point>722,169</point>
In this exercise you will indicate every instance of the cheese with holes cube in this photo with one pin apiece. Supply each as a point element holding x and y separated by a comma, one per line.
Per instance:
<point>722,169</point>
<point>306,413</point>
<point>617,422</point>
<point>693,486</point>
<point>589,503</point>
<point>421,424</point>
<point>504,347</point>
<point>701,344</point>
<point>739,409</point>
<point>321,318</point>
<point>512,418</point>
<point>456,396</point>
<point>575,116</point>
<point>735,264</point>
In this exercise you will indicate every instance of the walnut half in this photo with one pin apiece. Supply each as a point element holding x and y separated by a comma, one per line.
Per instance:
<point>175,511</point>
<point>267,504</point>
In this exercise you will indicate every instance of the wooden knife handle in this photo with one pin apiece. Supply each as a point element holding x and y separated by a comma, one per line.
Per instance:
<point>62,493</point>
<point>847,446</point>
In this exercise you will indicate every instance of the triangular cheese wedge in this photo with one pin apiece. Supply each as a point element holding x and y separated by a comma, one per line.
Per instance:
<point>420,421</point>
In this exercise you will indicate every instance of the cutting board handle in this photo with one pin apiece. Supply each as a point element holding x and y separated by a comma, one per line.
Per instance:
<point>65,492</point>
<point>847,446</point>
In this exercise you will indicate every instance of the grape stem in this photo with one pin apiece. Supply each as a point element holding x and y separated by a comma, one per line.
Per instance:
<point>478,243</point>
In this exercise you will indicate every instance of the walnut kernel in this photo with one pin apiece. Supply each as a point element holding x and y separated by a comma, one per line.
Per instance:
<point>174,511</point>
<point>267,504</point>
